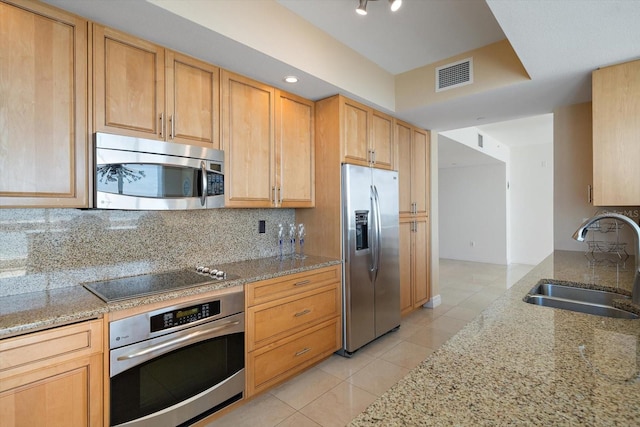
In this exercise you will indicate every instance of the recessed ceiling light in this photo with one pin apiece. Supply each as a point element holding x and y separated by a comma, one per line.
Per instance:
<point>291,79</point>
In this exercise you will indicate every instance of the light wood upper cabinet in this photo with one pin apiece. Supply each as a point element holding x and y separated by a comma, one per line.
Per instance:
<point>294,151</point>
<point>413,169</point>
<point>53,378</point>
<point>247,140</point>
<point>382,140</point>
<point>144,90</point>
<point>43,102</point>
<point>355,132</point>
<point>366,135</point>
<point>616,135</point>
<point>128,85</point>
<point>268,140</point>
<point>193,99</point>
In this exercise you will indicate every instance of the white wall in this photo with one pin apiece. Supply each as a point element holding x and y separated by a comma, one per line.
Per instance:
<point>572,137</point>
<point>472,208</point>
<point>435,219</point>
<point>469,137</point>
<point>531,203</point>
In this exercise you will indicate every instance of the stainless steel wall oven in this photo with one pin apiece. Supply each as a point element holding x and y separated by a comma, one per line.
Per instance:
<point>175,365</point>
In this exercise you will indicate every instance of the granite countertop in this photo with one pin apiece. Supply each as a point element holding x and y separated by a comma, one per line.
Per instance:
<point>33,311</point>
<point>521,364</point>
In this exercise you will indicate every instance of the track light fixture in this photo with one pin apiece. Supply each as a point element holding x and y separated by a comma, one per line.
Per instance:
<point>362,6</point>
<point>395,4</point>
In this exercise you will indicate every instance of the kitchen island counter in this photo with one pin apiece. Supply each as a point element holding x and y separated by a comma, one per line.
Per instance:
<point>521,364</point>
<point>33,311</point>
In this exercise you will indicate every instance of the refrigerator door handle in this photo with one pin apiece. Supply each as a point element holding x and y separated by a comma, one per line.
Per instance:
<point>372,236</point>
<point>378,231</point>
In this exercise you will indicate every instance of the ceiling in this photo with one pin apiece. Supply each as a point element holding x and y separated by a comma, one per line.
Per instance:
<point>559,43</point>
<point>397,41</point>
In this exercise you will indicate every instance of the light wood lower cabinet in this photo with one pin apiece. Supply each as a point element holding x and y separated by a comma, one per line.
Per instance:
<point>414,263</point>
<point>293,322</point>
<point>53,378</point>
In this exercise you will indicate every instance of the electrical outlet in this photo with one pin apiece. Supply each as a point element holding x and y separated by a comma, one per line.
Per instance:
<point>262,226</point>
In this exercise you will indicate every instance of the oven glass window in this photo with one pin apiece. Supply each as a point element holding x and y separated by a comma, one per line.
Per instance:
<point>174,377</point>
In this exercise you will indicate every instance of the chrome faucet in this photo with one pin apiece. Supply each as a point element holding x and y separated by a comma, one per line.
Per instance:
<point>581,233</point>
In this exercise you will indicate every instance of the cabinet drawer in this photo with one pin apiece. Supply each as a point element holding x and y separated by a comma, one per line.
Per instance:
<point>275,363</point>
<point>278,318</point>
<point>53,346</point>
<point>279,287</point>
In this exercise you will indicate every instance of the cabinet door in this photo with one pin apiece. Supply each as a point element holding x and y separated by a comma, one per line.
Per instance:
<point>405,260</point>
<point>53,377</point>
<point>382,141</point>
<point>129,85</point>
<point>403,142</point>
<point>68,394</point>
<point>355,132</point>
<point>294,151</point>
<point>616,135</point>
<point>420,171</point>
<point>247,140</point>
<point>421,268</point>
<point>193,100</point>
<point>43,101</point>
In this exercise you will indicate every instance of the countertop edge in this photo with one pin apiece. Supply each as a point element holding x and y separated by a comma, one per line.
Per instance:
<point>36,311</point>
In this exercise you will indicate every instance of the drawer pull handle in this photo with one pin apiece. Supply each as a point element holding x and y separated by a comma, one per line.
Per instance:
<point>304,282</point>
<point>302,313</point>
<point>303,351</point>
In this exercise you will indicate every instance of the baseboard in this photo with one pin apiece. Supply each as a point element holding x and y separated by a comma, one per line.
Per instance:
<point>435,301</point>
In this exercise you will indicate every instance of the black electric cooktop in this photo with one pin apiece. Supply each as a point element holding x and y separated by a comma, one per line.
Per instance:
<point>150,284</point>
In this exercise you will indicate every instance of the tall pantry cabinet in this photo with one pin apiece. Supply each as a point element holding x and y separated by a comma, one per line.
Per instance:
<point>413,175</point>
<point>43,101</point>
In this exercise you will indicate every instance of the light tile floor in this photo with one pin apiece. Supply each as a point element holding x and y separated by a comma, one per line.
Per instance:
<point>335,391</point>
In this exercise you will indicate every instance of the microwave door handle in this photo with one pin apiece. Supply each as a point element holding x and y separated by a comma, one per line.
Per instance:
<point>184,340</point>
<point>203,196</point>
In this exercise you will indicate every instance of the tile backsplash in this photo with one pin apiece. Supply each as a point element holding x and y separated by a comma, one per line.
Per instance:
<point>43,249</point>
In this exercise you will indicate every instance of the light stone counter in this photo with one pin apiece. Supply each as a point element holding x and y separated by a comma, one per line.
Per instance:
<point>521,364</point>
<point>33,311</point>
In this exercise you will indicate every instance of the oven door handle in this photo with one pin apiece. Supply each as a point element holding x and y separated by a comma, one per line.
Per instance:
<point>187,339</point>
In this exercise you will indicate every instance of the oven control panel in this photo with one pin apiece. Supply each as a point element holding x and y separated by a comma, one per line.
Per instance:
<point>184,315</point>
<point>172,318</point>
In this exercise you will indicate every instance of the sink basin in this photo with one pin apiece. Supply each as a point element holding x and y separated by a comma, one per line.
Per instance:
<point>590,301</point>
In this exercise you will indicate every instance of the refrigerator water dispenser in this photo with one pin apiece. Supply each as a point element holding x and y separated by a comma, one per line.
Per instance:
<point>362,231</point>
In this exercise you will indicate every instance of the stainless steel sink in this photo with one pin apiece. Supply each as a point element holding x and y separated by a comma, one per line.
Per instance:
<point>582,300</point>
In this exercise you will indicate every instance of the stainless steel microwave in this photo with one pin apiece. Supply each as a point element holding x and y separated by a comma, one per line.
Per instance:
<point>143,174</point>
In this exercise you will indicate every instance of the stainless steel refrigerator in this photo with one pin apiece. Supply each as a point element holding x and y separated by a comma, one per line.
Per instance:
<point>370,247</point>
